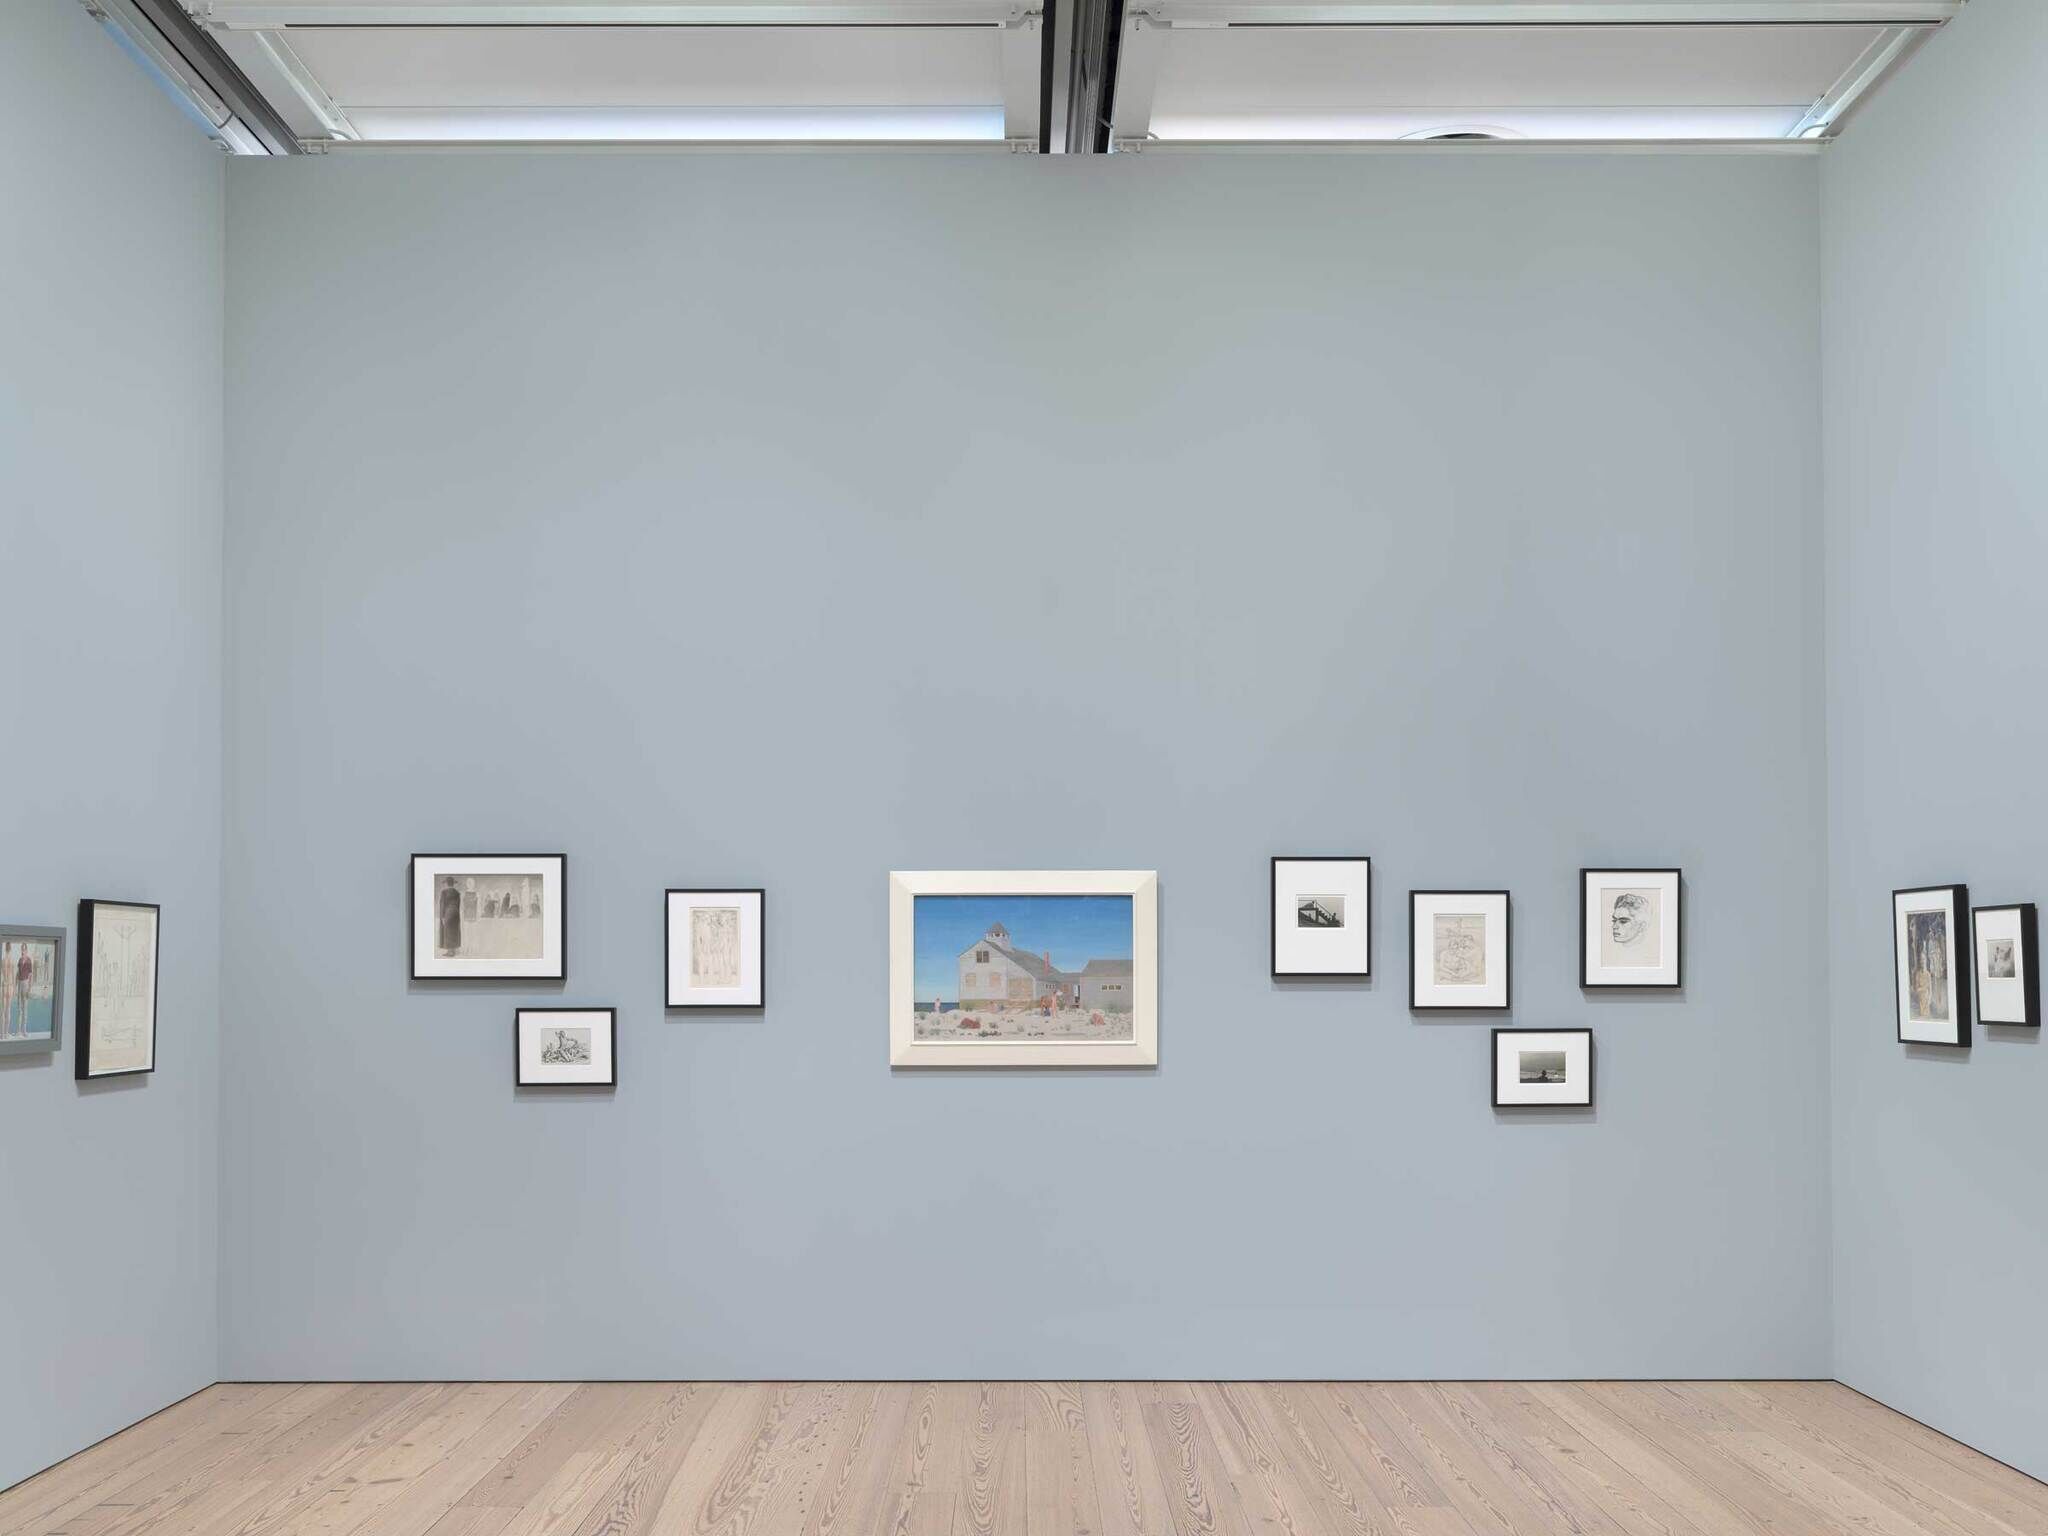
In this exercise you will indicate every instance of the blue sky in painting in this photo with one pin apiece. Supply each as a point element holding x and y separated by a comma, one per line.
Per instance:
<point>1076,929</point>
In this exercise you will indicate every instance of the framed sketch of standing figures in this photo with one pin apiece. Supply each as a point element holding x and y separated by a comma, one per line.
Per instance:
<point>1933,988</point>
<point>489,917</point>
<point>1631,928</point>
<point>715,950</point>
<point>117,973</point>
<point>31,990</point>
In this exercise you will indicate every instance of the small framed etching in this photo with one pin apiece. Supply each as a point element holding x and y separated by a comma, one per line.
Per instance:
<point>489,917</point>
<point>714,950</point>
<point>2008,983</point>
<point>1631,928</point>
<point>1533,1068</point>
<point>1322,916</point>
<point>31,990</point>
<point>117,975</point>
<point>1933,989</point>
<point>1459,949</point>
<point>565,1048</point>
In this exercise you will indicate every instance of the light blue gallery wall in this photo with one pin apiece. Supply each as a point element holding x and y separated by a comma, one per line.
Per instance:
<point>1937,538</point>
<point>780,521</point>
<point>110,636</point>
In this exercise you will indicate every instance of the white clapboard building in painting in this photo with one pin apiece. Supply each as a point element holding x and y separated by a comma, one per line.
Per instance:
<point>1106,986</point>
<point>996,973</point>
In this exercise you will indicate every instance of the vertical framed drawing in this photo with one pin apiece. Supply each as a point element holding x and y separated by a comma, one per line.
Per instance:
<point>1631,928</point>
<point>117,974</point>
<point>31,990</point>
<point>1322,916</point>
<point>2008,981</point>
<point>1024,968</point>
<point>489,917</point>
<point>1533,1068</point>
<point>1933,989</point>
<point>1460,950</point>
<point>714,952</point>
<point>565,1048</point>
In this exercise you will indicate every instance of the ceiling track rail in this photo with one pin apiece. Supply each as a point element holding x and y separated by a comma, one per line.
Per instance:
<point>192,65</point>
<point>1472,13</point>
<point>1092,75</point>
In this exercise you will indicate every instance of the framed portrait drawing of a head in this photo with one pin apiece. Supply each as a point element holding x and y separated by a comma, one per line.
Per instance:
<point>489,917</point>
<point>31,990</point>
<point>2008,982</point>
<point>117,976</point>
<point>1536,1068</point>
<point>1933,981</point>
<point>1024,968</point>
<point>1631,928</point>
<point>1460,950</point>
<point>565,1048</point>
<point>714,949</point>
<point>1322,916</point>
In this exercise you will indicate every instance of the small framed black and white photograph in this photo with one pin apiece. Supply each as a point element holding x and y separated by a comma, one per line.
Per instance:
<point>1933,982</point>
<point>489,917</point>
<point>1535,1068</point>
<point>566,1048</point>
<point>1631,929</point>
<point>1460,950</point>
<point>117,976</point>
<point>714,952</point>
<point>1322,916</point>
<point>2008,983</point>
<point>31,990</point>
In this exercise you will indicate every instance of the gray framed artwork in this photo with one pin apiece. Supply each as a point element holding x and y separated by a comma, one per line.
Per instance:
<point>31,990</point>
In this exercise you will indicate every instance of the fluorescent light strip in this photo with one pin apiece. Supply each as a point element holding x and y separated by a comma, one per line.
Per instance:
<point>679,125</point>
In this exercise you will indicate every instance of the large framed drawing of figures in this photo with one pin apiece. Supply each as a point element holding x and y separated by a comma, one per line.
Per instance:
<point>117,974</point>
<point>1024,968</point>
<point>1933,982</point>
<point>489,917</point>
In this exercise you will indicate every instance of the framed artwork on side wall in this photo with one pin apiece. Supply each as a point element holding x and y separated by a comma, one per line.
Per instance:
<point>1460,949</point>
<point>1322,916</point>
<point>31,990</point>
<point>117,975</point>
<point>1536,1068</point>
<point>1631,928</point>
<point>565,1048</point>
<point>714,951</point>
<point>2008,981</point>
<point>1933,982</point>
<point>489,917</point>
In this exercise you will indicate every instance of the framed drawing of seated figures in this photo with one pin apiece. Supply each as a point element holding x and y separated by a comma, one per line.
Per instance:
<point>31,990</point>
<point>565,1048</point>
<point>117,975</point>
<point>2008,983</point>
<point>1933,991</point>
<point>1631,928</point>
<point>1460,950</point>
<point>489,917</point>
<point>715,949</point>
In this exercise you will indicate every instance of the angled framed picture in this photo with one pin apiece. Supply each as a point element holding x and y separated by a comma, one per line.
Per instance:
<point>1322,916</point>
<point>1631,928</point>
<point>565,1048</point>
<point>117,976</point>
<point>489,917</point>
<point>1932,997</point>
<point>1024,968</point>
<point>1460,950</point>
<point>713,952</point>
<point>2008,981</point>
<point>1534,1068</point>
<point>31,990</point>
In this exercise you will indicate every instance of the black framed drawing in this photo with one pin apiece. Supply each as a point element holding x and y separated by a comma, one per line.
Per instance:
<point>489,917</point>
<point>31,990</point>
<point>118,943</point>
<point>2008,980</point>
<point>1932,995</point>
<point>1542,1068</point>
<point>714,948</point>
<point>565,1048</point>
<point>1322,916</point>
<point>1631,928</point>
<point>1460,950</point>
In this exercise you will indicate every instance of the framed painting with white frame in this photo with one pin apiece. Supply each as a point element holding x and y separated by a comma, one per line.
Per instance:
<point>1322,916</point>
<point>714,948</point>
<point>1932,991</point>
<point>2008,981</point>
<point>117,981</point>
<point>565,1047</point>
<point>1024,968</point>
<point>1460,950</point>
<point>1631,928</point>
<point>31,990</point>
<point>489,917</point>
<point>1539,1068</point>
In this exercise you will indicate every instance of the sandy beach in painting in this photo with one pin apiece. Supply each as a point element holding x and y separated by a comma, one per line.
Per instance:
<point>1011,1024</point>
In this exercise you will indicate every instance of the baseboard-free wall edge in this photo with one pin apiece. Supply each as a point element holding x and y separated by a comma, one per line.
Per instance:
<point>109,1435</point>
<point>1946,1434</point>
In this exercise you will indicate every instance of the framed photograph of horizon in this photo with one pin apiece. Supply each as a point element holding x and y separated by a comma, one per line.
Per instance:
<point>1631,928</point>
<point>1016,968</point>
<point>565,1048</point>
<point>31,990</point>
<point>2008,982</point>
<point>1542,1068</point>
<point>714,949</point>
<point>489,917</point>
<point>1461,952</point>
<point>117,978</point>
<point>1932,993</point>
<point>1322,916</point>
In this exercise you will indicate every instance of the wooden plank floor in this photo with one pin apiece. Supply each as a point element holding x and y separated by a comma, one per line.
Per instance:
<point>953,1458</point>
